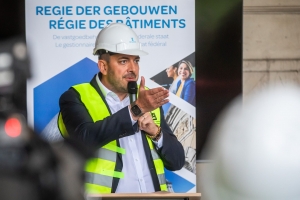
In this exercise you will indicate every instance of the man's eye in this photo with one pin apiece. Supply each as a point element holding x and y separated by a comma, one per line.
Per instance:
<point>123,61</point>
<point>137,61</point>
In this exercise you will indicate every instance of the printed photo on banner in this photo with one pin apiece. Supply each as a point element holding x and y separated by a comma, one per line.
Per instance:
<point>179,79</point>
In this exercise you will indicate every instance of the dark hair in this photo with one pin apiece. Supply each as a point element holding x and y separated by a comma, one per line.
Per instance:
<point>103,51</point>
<point>102,54</point>
<point>175,66</point>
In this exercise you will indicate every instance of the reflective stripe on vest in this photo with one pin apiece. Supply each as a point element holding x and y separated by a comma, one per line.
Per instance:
<point>100,171</point>
<point>158,164</point>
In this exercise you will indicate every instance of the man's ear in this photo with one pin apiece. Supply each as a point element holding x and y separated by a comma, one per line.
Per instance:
<point>102,66</point>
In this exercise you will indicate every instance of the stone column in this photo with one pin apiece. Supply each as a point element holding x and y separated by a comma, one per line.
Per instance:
<point>271,43</point>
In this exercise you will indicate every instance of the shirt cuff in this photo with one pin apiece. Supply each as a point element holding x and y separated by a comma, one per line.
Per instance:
<point>159,143</point>
<point>132,120</point>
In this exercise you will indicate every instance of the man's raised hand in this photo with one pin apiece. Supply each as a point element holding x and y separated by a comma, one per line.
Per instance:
<point>150,99</point>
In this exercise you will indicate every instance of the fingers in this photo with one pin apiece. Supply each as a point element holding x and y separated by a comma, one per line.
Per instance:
<point>147,124</point>
<point>151,99</point>
<point>157,94</point>
<point>144,120</point>
<point>160,98</point>
<point>155,91</point>
<point>162,94</point>
<point>142,83</point>
<point>162,102</point>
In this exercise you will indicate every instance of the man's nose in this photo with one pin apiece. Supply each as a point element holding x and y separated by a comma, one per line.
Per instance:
<point>131,66</point>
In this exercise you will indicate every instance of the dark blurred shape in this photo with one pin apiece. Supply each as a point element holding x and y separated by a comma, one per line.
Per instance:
<point>31,168</point>
<point>14,71</point>
<point>12,23</point>
<point>254,148</point>
<point>12,18</point>
<point>28,167</point>
<point>218,61</point>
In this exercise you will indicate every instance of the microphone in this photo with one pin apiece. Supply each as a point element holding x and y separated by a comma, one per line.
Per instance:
<point>132,90</point>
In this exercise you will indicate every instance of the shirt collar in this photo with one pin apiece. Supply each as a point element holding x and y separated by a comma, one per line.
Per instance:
<point>103,89</point>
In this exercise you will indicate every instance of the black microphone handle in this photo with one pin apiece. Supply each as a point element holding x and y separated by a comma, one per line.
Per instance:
<point>132,98</point>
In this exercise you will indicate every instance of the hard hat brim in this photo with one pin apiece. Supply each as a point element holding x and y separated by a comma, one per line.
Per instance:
<point>133,52</point>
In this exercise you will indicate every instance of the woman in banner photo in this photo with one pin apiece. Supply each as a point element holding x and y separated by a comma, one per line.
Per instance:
<point>186,87</point>
<point>172,72</point>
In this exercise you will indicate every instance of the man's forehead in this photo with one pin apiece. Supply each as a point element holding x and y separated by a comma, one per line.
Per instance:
<point>125,56</point>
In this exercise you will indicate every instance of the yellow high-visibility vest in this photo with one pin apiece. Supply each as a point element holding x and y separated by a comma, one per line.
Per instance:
<point>100,171</point>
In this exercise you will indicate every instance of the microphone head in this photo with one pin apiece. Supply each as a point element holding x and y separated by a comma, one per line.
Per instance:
<point>132,87</point>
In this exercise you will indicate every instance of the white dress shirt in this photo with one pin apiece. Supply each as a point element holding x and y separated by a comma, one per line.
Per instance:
<point>137,177</point>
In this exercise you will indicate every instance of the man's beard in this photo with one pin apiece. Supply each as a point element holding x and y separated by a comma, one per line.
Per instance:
<point>116,84</point>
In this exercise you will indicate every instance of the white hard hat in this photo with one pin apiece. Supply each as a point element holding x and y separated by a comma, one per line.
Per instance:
<point>118,38</point>
<point>255,148</point>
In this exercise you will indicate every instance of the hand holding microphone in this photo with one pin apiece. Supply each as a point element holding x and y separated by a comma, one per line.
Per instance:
<point>147,101</point>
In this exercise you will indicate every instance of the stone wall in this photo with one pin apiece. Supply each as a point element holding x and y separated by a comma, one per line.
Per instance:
<point>271,43</point>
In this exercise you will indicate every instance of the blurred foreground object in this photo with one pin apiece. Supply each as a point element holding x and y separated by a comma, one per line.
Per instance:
<point>254,148</point>
<point>30,168</point>
<point>14,71</point>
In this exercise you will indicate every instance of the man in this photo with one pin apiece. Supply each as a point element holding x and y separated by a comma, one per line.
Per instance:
<point>135,143</point>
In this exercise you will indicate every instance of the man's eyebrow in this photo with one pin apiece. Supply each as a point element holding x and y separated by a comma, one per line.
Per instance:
<point>125,57</point>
